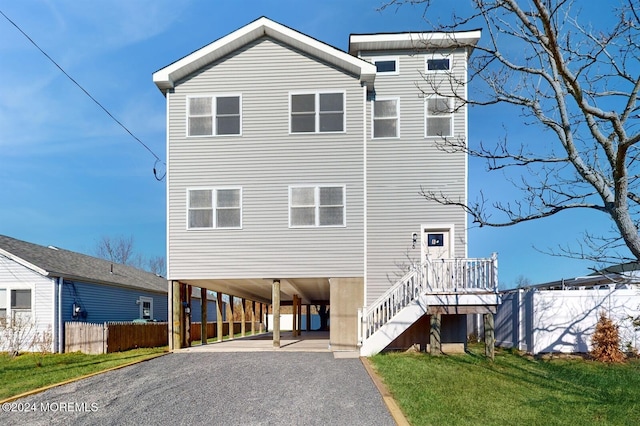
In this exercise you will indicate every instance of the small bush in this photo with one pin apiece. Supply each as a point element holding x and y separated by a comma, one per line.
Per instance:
<point>606,341</point>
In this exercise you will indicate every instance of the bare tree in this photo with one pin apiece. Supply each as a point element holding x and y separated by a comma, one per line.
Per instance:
<point>580,84</point>
<point>122,250</point>
<point>522,282</point>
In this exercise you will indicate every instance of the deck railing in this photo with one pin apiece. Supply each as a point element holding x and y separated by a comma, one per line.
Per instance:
<point>434,276</point>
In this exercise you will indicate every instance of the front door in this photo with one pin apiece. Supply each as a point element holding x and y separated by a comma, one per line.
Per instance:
<point>437,242</point>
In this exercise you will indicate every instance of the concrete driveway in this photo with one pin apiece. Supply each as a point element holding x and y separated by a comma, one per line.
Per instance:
<point>189,388</point>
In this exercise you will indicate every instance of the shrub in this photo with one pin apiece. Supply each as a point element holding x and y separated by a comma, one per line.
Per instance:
<point>606,341</point>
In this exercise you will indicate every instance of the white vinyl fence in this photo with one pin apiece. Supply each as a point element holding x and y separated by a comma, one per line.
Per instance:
<point>542,321</point>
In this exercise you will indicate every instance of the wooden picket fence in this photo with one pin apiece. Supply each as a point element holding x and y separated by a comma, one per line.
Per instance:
<point>113,336</point>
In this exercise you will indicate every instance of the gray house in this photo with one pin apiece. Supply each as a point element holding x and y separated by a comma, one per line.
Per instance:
<point>48,286</point>
<point>294,171</point>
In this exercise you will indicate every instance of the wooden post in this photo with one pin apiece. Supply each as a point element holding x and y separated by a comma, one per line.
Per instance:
<point>308,317</point>
<point>253,317</point>
<point>275,299</point>
<point>489,336</point>
<point>434,334</point>
<point>188,315</point>
<point>299,316</point>
<point>261,327</point>
<point>230,317</point>
<point>176,309</point>
<point>203,317</point>
<point>243,313</point>
<point>294,309</point>
<point>219,319</point>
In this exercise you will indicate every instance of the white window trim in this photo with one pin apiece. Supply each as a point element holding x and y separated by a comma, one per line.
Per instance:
<point>141,301</point>
<point>373,118</point>
<point>214,128</point>
<point>426,116</point>
<point>317,94</point>
<point>214,202</point>
<point>10,310</point>
<point>438,56</point>
<point>317,206</point>
<point>396,59</point>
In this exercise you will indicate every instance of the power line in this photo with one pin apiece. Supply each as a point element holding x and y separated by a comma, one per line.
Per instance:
<point>158,160</point>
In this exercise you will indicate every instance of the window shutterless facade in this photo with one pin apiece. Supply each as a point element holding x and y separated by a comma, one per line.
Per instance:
<point>217,115</point>
<point>438,117</point>
<point>317,112</point>
<point>316,206</point>
<point>214,208</point>
<point>386,117</point>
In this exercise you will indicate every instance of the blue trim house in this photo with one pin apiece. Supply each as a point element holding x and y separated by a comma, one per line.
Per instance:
<point>48,286</point>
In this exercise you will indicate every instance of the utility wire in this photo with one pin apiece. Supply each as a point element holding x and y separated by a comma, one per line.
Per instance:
<point>158,160</point>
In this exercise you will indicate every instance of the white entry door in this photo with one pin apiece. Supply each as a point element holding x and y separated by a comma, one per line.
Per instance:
<point>437,244</point>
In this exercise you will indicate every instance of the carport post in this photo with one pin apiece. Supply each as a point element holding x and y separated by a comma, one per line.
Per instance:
<point>489,337</point>
<point>299,316</point>
<point>230,319</point>
<point>253,317</point>
<point>261,327</point>
<point>295,315</point>
<point>308,317</point>
<point>243,313</point>
<point>275,300</point>
<point>203,318</point>
<point>219,319</point>
<point>175,307</point>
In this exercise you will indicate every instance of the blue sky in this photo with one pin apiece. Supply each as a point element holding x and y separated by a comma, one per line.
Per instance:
<point>70,175</point>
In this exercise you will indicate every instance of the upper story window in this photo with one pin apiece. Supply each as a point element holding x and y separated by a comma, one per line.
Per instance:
<point>386,65</point>
<point>317,112</point>
<point>214,115</point>
<point>315,206</point>
<point>214,208</point>
<point>438,63</point>
<point>438,117</point>
<point>386,115</point>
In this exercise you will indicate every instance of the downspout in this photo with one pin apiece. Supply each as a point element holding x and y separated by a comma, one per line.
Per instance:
<point>364,186</point>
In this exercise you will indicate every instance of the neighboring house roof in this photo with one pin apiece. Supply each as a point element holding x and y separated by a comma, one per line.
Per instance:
<point>56,262</point>
<point>412,40</point>
<point>599,281</point>
<point>167,77</point>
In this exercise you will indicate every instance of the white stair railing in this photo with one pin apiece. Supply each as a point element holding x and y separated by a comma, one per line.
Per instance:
<point>403,292</point>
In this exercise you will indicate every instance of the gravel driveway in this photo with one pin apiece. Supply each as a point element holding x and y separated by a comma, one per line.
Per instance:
<point>258,388</point>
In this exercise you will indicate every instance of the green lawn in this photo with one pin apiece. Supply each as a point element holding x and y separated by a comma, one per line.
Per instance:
<point>22,373</point>
<point>471,390</point>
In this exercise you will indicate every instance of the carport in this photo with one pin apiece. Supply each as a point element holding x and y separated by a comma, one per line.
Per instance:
<point>256,296</point>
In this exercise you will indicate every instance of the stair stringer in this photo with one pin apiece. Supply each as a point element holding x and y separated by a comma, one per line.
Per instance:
<point>395,326</point>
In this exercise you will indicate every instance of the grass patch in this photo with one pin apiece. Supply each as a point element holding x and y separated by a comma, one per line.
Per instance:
<point>22,373</point>
<point>470,389</point>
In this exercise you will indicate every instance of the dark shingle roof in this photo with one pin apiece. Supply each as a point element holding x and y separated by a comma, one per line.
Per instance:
<point>57,262</point>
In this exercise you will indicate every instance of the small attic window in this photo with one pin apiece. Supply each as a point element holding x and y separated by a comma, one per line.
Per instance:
<point>438,64</point>
<point>386,65</point>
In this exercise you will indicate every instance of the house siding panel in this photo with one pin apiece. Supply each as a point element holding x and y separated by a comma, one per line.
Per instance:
<point>264,161</point>
<point>100,302</point>
<point>397,169</point>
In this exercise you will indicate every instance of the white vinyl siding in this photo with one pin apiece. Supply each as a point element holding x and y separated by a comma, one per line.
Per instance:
<point>316,206</point>
<point>214,115</point>
<point>317,112</point>
<point>438,117</point>
<point>386,118</point>
<point>265,162</point>
<point>214,208</point>
<point>397,171</point>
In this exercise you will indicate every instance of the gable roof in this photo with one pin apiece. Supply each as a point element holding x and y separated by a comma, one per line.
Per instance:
<point>55,262</point>
<point>167,77</point>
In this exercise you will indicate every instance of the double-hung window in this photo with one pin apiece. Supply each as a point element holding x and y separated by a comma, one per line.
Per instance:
<point>214,208</point>
<point>317,112</point>
<point>3,305</point>
<point>316,206</point>
<point>386,115</point>
<point>438,117</point>
<point>214,115</point>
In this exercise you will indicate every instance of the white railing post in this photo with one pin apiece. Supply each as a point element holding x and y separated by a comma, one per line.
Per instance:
<point>494,267</point>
